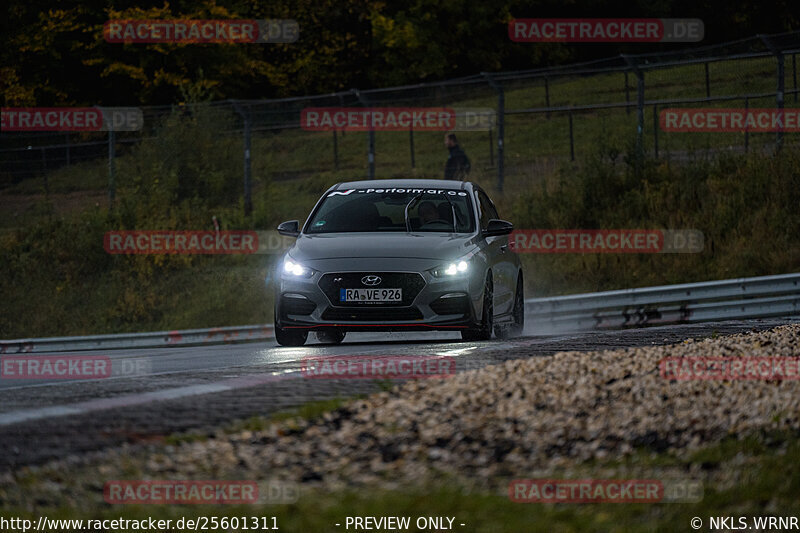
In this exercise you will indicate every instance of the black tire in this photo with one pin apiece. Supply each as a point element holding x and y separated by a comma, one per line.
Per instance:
<point>290,337</point>
<point>331,336</point>
<point>518,312</point>
<point>483,332</point>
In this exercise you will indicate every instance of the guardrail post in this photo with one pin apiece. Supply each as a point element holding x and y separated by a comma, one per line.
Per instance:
<point>370,138</point>
<point>501,106</point>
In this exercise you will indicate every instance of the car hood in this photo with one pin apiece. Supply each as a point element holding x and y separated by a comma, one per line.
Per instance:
<point>437,246</point>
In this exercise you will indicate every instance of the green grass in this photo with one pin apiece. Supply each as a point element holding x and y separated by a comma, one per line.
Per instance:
<point>768,486</point>
<point>307,411</point>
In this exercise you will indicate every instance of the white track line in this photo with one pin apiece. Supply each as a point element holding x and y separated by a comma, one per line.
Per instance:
<point>26,415</point>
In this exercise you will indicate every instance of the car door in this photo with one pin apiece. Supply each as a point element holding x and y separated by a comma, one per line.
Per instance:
<point>499,257</point>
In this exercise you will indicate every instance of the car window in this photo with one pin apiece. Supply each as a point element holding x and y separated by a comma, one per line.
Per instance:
<point>433,210</point>
<point>487,209</point>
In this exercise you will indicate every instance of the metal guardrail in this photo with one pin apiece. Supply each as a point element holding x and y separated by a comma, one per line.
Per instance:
<point>730,299</point>
<point>155,339</point>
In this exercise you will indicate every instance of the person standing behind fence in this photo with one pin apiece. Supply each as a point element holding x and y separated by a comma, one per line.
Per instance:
<point>457,165</point>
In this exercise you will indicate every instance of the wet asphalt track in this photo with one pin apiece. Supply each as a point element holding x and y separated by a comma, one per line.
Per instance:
<point>157,392</point>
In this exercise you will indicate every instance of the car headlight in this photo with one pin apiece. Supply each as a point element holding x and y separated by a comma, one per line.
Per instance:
<point>456,268</point>
<point>293,269</point>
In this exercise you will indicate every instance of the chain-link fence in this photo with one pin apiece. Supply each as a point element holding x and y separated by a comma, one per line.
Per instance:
<point>543,117</point>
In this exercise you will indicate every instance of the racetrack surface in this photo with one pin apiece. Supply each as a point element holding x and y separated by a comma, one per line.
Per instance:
<point>200,388</point>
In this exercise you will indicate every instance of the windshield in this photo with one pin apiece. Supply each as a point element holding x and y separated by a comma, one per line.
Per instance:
<point>374,210</point>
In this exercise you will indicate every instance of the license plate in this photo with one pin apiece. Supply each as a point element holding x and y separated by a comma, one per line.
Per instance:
<point>370,295</point>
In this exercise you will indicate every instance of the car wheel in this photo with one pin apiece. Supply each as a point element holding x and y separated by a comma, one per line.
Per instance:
<point>289,337</point>
<point>483,331</point>
<point>331,336</point>
<point>518,313</point>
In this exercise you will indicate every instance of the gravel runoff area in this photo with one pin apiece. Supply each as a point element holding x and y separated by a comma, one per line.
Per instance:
<point>487,426</point>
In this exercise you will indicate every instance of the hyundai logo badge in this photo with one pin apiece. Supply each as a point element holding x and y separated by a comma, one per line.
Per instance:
<point>371,280</point>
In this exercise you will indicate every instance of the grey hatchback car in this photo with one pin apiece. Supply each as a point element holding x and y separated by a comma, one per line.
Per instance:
<point>399,255</point>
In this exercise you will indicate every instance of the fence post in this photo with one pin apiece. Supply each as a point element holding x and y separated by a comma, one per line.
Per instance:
<point>335,151</point>
<point>640,111</point>
<point>370,138</point>
<point>794,74</point>
<point>639,105</point>
<point>779,98</point>
<point>248,200</point>
<point>111,169</point>
<point>547,96</point>
<point>780,85</point>
<point>411,143</point>
<point>245,114</point>
<point>571,138</point>
<point>708,84</point>
<point>341,104</point>
<point>655,129</point>
<point>44,172</point>
<point>746,128</point>
<point>627,95</point>
<point>501,106</point>
<point>491,148</point>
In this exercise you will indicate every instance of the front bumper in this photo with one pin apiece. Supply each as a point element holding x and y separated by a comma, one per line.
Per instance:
<point>430,303</point>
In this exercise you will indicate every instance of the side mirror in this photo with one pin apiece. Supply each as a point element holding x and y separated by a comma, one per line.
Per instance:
<point>290,228</point>
<point>497,227</point>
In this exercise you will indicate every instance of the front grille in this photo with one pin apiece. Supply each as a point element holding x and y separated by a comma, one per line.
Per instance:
<point>411,283</point>
<point>372,314</point>
<point>457,305</point>
<point>297,306</point>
